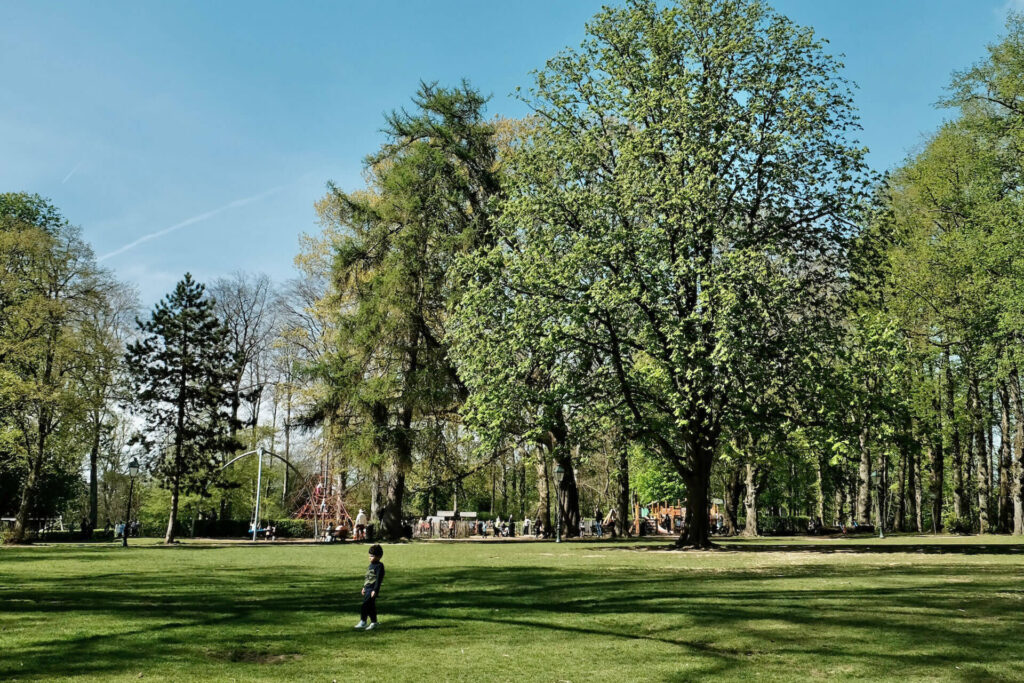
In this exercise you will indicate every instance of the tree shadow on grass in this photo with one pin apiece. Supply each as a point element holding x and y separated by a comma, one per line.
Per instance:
<point>881,621</point>
<point>758,546</point>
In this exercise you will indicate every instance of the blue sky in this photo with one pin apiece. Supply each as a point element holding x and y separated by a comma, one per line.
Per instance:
<point>195,136</point>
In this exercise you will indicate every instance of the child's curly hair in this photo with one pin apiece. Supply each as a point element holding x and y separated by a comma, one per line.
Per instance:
<point>376,550</point>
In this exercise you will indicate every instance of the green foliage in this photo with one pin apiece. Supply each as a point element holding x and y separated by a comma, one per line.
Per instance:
<point>182,374</point>
<point>676,228</point>
<point>389,386</point>
<point>957,525</point>
<point>49,288</point>
<point>652,478</point>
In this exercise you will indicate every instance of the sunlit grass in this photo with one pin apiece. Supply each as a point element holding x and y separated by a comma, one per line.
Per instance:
<point>785,609</point>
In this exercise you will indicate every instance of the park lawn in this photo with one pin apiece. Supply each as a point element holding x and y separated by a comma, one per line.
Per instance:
<point>773,609</point>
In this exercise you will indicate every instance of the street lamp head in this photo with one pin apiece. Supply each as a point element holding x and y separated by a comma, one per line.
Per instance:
<point>559,470</point>
<point>133,468</point>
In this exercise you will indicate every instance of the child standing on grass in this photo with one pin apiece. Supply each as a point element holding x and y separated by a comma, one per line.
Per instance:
<point>371,588</point>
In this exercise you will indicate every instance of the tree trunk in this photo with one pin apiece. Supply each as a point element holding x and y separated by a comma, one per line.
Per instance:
<point>1005,460</point>
<point>938,464</point>
<point>21,520</point>
<point>983,463</point>
<point>42,433</point>
<point>901,501</point>
<point>958,471</point>
<point>543,494</point>
<point>94,456</point>
<point>376,494</point>
<point>864,478</point>
<point>819,492</point>
<point>750,500</point>
<point>569,495</point>
<point>173,518</point>
<point>839,500</point>
<point>622,500</point>
<point>391,515</point>
<point>733,489</point>
<point>1017,467</point>
<point>697,530</point>
<point>915,489</point>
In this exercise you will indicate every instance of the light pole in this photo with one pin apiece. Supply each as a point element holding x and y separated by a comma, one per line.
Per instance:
<point>559,471</point>
<point>133,471</point>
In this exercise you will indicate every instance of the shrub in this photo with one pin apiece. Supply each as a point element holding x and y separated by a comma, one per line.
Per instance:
<point>294,528</point>
<point>957,525</point>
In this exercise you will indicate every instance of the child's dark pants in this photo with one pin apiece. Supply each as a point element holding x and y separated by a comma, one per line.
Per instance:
<point>369,610</point>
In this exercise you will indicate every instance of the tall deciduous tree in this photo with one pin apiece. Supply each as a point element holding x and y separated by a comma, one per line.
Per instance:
<point>183,372</point>
<point>688,188</point>
<point>49,285</point>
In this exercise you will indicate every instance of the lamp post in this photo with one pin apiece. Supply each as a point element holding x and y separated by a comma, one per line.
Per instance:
<point>559,471</point>
<point>133,471</point>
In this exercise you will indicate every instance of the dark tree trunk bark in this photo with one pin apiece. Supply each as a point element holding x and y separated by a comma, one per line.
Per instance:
<point>21,520</point>
<point>622,500</point>
<point>916,489</point>
<point>391,514</point>
<point>569,495</point>
<point>733,489</point>
<point>819,491</point>
<point>982,462</point>
<point>1017,467</point>
<point>840,497</point>
<point>958,468</point>
<point>697,530</point>
<point>901,501</point>
<point>938,464</point>
<point>1005,460</point>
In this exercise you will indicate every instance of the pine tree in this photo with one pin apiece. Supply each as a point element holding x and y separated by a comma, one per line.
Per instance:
<point>181,371</point>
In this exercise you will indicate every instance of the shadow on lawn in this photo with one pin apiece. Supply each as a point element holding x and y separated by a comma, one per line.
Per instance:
<point>754,545</point>
<point>887,622</point>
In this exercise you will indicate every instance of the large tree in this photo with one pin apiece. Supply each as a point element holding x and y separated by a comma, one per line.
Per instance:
<point>388,378</point>
<point>688,190</point>
<point>49,287</point>
<point>183,373</point>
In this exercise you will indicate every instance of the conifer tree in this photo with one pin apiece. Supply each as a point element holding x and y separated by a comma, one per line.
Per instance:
<point>181,370</point>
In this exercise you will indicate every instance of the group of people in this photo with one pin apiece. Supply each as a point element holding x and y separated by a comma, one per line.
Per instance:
<point>130,529</point>
<point>497,528</point>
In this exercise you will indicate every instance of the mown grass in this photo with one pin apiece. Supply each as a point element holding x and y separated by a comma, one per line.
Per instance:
<point>776,609</point>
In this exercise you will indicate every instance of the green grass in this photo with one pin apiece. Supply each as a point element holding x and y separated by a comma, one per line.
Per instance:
<point>777,609</point>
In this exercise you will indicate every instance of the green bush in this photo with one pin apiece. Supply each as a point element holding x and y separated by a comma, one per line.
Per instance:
<point>953,524</point>
<point>294,528</point>
<point>770,525</point>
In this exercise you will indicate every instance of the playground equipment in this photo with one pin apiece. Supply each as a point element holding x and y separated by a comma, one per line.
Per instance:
<point>651,519</point>
<point>259,452</point>
<point>323,494</point>
<point>325,501</point>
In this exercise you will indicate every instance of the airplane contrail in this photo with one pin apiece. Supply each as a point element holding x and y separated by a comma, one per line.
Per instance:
<point>190,221</point>
<point>73,171</point>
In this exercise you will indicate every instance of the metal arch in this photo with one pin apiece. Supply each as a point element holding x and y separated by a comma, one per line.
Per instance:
<point>261,451</point>
<point>265,452</point>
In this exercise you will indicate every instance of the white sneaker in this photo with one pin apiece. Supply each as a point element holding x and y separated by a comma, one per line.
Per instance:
<point>373,625</point>
<point>361,624</point>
